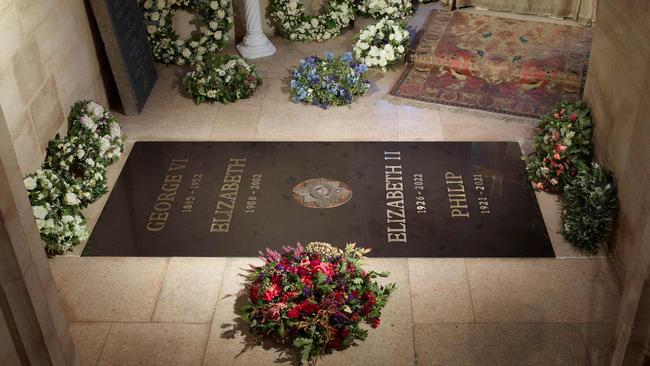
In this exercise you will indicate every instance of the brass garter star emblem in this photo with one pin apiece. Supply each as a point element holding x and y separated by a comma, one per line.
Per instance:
<point>322,193</point>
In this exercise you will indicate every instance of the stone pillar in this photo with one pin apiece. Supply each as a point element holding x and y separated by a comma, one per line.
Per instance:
<point>33,328</point>
<point>255,43</point>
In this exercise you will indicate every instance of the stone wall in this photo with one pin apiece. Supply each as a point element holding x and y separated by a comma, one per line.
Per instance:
<point>48,61</point>
<point>618,91</point>
<point>34,325</point>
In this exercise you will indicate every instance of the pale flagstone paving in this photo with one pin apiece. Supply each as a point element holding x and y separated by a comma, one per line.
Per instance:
<point>166,311</point>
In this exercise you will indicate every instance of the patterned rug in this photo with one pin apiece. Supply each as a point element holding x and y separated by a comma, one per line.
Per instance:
<point>496,64</point>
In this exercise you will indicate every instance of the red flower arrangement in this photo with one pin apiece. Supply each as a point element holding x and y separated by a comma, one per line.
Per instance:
<point>315,297</point>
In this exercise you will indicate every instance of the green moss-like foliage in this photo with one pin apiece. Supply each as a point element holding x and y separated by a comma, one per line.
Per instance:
<point>590,207</point>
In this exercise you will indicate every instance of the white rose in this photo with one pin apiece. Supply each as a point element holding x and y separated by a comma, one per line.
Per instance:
<point>147,4</point>
<point>116,131</point>
<point>214,25</point>
<point>151,29</point>
<point>81,153</point>
<point>67,218</point>
<point>161,4</point>
<point>71,199</point>
<point>221,14</point>
<point>95,109</point>
<point>400,49</point>
<point>88,123</point>
<point>104,145</point>
<point>186,52</point>
<point>314,22</point>
<point>39,212</point>
<point>214,5</point>
<point>155,16</point>
<point>30,183</point>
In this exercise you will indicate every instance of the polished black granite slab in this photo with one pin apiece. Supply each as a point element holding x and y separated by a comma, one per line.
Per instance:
<point>402,199</point>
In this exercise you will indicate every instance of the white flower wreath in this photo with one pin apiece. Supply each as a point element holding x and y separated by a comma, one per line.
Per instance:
<point>290,17</point>
<point>392,9</point>
<point>213,15</point>
<point>382,44</point>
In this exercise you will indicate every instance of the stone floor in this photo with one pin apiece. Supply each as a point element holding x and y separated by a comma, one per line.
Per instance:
<point>181,311</point>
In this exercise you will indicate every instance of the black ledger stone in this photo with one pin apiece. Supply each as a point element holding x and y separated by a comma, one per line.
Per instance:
<point>402,199</point>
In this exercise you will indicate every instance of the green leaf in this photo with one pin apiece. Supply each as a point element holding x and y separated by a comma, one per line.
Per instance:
<point>516,58</point>
<point>523,39</point>
<point>301,342</point>
<point>487,34</point>
<point>305,348</point>
<point>325,288</point>
<point>320,277</point>
<point>281,330</point>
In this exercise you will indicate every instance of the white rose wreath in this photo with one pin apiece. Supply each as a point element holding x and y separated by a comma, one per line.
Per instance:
<point>213,15</point>
<point>290,17</point>
<point>382,44</point>
<point>392,9</point>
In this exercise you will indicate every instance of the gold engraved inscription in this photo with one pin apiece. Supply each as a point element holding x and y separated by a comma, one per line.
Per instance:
<point>160,210</point>
<point>227,198</point>
<point>457,197</point>
<point>395,212</point>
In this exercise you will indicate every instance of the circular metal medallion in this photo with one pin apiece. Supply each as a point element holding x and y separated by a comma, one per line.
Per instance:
<point>322,193</point>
